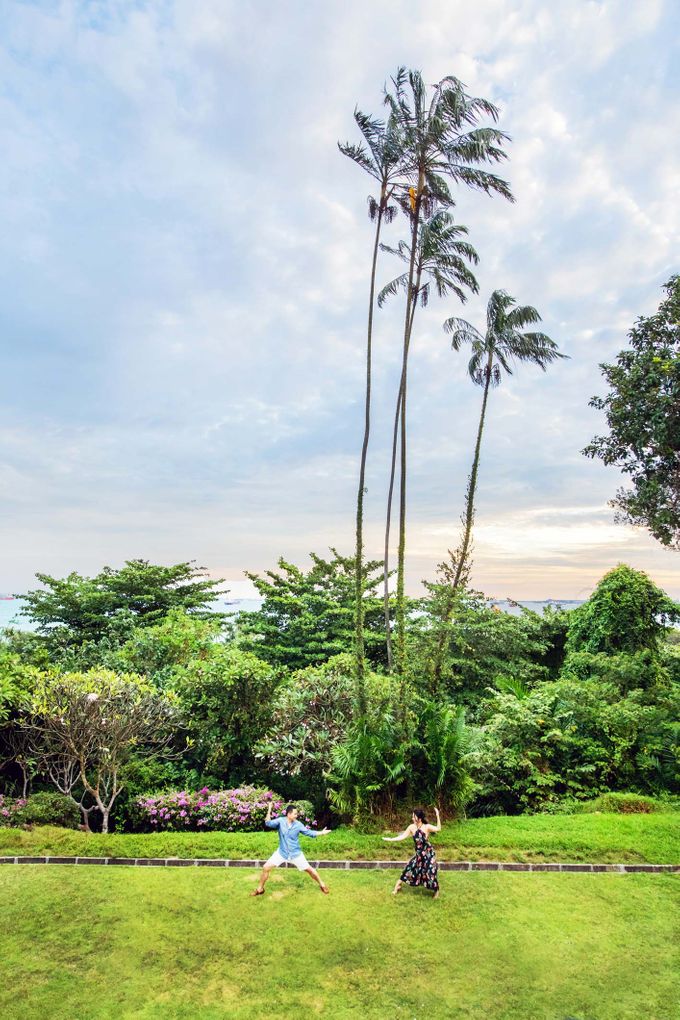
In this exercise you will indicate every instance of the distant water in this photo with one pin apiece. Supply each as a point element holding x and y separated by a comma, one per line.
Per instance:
<point>10,608</point>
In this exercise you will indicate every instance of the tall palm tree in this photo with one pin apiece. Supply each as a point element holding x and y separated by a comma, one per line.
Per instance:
<point>441,144</point>
<point>380,156</point>
<point>494,353</point>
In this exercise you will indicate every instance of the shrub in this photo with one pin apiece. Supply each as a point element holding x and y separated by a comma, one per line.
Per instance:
<point>241,810</point>
<point>622,804</point>
<point>9,809</point>
<point>49,808</point>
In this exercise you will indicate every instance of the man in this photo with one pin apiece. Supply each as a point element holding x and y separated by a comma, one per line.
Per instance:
<point>290,830</point>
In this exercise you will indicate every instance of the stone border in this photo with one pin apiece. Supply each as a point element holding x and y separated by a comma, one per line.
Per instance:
<point>204,862</point>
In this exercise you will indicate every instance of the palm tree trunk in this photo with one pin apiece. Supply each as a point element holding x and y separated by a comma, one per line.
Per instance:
<point>401,552</point>
<point>472,484</point>
<point>467,530</point>
<point>390,496</point>
<point>360,663</point>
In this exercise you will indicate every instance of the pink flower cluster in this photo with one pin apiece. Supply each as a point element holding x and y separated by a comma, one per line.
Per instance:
<point>9,807</point>
<point>241,810</point>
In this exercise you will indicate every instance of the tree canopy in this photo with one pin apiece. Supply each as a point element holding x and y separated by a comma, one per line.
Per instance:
<point>137,594</point>
<point>643,414</point>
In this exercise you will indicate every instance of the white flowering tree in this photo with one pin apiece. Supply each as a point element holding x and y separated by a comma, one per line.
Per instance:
<point>84,727</point>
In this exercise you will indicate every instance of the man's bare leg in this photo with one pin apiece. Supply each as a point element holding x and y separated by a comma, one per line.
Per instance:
<point>317,878</point>
<point>266,872</point>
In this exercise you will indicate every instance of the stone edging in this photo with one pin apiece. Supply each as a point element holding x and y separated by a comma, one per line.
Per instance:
<point>180,862</point>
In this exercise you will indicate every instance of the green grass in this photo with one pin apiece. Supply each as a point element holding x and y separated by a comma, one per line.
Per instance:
<point>99,944</point>
<point>605,838</point>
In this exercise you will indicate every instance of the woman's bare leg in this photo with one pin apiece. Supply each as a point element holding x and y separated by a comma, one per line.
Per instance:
<point>397,887</point>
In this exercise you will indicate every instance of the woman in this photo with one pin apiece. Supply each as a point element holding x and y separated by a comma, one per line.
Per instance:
<point>422,868</point>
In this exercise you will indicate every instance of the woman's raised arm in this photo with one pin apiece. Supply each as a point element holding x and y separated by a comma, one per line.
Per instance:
<point>402,835</point>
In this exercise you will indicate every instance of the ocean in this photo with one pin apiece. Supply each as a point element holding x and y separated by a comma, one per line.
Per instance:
<point>10,608</point>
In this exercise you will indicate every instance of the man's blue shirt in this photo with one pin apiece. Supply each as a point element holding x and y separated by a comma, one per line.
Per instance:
<point>289,835</point>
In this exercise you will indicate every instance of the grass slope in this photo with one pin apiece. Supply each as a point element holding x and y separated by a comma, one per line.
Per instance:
<point>605,838</point>
<point>192,945</point>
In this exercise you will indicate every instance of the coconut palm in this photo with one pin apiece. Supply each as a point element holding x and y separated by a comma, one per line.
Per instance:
<point>441,144</point>
<point>380,156</point>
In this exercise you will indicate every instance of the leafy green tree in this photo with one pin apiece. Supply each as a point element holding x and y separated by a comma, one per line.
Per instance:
<point>627,612</point>
<point>380,156</point>
<point>226,700</point>
<point>642,410</point>
<point>474,644</point>
<point>307,617</point>
<point>75,609</point>
<point>441,145</point>
<point>312,713</point>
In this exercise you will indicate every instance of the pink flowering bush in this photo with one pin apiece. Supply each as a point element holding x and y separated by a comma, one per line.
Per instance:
<point>241,810</point>
<point>10,807</point>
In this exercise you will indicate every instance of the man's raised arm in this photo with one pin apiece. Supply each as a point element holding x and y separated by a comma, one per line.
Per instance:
<point>271,823</point>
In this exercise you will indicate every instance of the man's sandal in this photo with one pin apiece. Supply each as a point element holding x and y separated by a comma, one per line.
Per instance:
<point>257,892</point>
<point>325,890</point>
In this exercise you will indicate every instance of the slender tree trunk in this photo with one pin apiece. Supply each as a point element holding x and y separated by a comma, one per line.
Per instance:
<point>359,564</point>
<point>388,518</point>
<point>472,486</point>
<point>401,553</point>
<point>467,528</point>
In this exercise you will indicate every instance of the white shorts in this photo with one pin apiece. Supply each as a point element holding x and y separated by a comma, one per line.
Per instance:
<point>277,859</point>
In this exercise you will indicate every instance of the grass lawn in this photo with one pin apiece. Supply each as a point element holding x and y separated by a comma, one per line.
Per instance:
<point>605,838</point>
<point>123,943</point>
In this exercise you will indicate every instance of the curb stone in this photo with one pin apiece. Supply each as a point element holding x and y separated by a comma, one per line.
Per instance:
<point>205,862</point>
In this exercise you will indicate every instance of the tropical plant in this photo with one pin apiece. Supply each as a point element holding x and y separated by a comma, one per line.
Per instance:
<point>380,156</point>
<point>440,765</point>
<point>441,145</point>
<point>369,766</point>
<point>627,612</point>
<point>642,410</point>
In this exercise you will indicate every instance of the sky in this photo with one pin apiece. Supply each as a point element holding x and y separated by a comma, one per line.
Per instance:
<point>184,278</point>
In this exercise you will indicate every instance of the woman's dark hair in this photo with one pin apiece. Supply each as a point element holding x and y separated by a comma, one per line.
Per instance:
<point>420,815</point>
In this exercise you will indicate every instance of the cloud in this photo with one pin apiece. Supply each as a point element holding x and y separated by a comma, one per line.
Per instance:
<point>183,281</point>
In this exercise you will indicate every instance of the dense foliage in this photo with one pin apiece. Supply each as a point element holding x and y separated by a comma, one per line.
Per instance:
<point>495,712</point>
<point>642,410</point>
<point>307,617</point>
<point>75,609</point>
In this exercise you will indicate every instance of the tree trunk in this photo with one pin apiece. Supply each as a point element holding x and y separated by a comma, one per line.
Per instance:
<point>360,662</point>
<point>472,485</point>
<point>388,518</point>
<point>467,530</point>
<point>390,492</point>
<point>408,326</point>
<point>105,820</point>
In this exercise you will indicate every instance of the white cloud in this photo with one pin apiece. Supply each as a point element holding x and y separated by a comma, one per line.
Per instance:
<point>184,279</point>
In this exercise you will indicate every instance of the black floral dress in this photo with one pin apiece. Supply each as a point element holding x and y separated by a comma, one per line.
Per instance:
<point>422,869</point>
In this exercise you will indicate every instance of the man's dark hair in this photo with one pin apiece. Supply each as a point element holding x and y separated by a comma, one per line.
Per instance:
<point>290,807</point>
